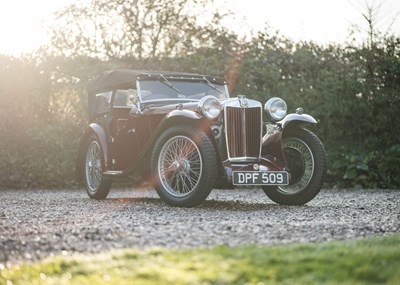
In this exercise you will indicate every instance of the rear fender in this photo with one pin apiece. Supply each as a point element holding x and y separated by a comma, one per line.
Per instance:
<point>99,132</point>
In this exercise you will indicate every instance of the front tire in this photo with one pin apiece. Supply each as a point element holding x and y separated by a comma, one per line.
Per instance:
<point>96,186</point>
<point>305,157</point>
<point>184,166</point>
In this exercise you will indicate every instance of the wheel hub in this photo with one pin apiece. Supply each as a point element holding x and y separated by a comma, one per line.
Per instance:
<point>181,166</point>
<point>185,166</point>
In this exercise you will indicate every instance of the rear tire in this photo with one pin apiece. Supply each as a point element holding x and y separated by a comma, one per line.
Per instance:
<point>183,165</point>
<point>305,157</point>
<point>96,186</point>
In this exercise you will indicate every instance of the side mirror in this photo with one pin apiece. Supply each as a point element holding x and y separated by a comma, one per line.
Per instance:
<point>135,110</point>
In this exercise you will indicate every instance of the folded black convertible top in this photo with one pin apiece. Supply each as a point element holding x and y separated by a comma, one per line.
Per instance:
<point>126,78</point>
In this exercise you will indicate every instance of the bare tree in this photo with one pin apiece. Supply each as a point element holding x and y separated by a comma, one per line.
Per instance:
<point>379,16</point>
<point>138,28</point>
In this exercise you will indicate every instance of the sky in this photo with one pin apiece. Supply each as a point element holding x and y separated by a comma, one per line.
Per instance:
<point>321,21</point>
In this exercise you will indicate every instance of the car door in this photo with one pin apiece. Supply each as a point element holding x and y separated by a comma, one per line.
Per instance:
<point>124,142</point>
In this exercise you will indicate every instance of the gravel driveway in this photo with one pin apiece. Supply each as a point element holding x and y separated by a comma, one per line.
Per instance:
<point>39,223</point>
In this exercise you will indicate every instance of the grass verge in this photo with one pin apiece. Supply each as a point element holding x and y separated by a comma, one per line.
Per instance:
<point>367,261</point>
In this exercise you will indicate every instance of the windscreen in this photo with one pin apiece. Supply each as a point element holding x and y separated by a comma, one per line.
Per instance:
<point>190,90</point>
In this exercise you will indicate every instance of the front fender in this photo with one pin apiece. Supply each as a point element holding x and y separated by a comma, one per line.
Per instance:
<point>176,117</point>
<point>296,119</point>
<point>184,117</point>
<point>183,113</point>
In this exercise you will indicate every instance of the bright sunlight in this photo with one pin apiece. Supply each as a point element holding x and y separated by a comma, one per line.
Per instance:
<point>22,22</point>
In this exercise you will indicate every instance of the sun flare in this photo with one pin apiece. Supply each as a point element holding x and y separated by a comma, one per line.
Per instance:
<point>22,21</point>
<point>17,27</point>
<point>21,24</point>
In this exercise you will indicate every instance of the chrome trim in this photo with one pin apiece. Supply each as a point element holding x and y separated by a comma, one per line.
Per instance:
<point>202,101</point>
<point>268,106</point>
<point>236,103</point>
<point>182,100</point>
<point>227,91</point>
<point>139,94</point>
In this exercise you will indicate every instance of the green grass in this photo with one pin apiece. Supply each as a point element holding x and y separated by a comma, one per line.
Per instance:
<point>368,261</point>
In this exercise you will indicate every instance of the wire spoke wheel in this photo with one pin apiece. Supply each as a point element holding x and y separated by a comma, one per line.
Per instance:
<point>305,158</point>
<point>301,164</point>
<point>180,166</point>
<point>93,166</point>
<point>96,186</point>
<point>183,166</point>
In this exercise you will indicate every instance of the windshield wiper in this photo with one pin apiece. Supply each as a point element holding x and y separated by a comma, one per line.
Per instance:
<point>166,82</point>
<point>212,85</point>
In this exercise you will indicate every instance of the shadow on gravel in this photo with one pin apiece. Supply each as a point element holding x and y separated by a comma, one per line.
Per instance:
<point>207,205</point>
<point>232,205</point>
<point>244,206</point>
<point>147,200</point>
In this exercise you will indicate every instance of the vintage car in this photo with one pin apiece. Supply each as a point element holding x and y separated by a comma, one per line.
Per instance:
<point>185,134</point>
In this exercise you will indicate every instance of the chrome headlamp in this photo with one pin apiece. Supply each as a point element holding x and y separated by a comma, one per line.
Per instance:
<point>209,107</point>
<point>276,108</point>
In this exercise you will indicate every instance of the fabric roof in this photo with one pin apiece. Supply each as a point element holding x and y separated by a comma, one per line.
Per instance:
<point>126,78</point>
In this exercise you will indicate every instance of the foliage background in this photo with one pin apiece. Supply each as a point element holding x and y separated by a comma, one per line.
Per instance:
<point>352,89</point>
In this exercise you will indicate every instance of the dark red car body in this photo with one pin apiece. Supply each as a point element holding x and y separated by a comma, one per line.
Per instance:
<point>130,109</point>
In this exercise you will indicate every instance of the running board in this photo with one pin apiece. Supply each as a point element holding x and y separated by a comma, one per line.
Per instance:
<point>113,173</point>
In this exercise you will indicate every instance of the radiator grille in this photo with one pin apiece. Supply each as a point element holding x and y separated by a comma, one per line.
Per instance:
<point>243,133</point>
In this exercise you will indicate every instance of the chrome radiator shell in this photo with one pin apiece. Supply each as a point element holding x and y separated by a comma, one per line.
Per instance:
<point>243,129</point>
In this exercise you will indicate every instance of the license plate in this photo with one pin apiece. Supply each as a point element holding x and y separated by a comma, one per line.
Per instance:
<point>260,178</point>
